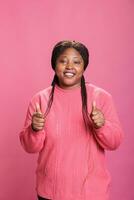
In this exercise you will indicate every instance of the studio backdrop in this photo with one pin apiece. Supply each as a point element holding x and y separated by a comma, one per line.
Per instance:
<point>28,31</point>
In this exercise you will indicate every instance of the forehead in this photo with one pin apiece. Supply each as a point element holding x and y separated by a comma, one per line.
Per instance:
<point>71,52</point>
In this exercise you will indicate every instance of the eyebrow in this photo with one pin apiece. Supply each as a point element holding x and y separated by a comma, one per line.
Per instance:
<point>73,57</point>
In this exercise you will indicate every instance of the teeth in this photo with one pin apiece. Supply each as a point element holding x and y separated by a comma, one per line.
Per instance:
<point>69,74</point>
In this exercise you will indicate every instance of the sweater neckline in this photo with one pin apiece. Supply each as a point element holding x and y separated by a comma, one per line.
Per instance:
<point>70,90</point>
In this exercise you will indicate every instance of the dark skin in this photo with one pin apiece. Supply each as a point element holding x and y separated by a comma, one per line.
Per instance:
<point>38,120</point>
<point>69,61</point>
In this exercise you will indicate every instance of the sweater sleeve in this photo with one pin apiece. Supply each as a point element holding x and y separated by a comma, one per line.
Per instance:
<point>110,135</point>
<point>32,141</point>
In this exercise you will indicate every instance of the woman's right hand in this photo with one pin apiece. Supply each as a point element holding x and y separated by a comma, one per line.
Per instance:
<point>38,119</point>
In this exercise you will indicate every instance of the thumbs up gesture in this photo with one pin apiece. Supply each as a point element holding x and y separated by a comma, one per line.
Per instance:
<point>38,119</point>
<point>97,116</point>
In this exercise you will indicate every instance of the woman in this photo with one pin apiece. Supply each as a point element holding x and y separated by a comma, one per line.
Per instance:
<point>70,124</point>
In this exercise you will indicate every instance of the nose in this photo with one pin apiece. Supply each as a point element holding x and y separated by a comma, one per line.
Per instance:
<point>69,65</point>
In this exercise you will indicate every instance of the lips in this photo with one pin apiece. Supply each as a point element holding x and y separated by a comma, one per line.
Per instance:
<point>69,74</point>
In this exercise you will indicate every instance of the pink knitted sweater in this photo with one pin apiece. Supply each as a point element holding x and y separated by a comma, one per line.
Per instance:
<point>71,163</point>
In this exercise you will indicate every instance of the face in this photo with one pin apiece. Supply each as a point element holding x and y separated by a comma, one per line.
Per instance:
<point>69,68</point>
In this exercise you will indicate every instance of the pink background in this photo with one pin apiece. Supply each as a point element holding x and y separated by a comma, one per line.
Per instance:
<point>28,31</point>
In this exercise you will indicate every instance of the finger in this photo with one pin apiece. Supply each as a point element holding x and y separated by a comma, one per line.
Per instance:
<point>99,124</point>
<point>97,116</point>
<point>38,110</point>
<point>38,128</point>
<point>38,120</point>
<point>38,124</point>
<point>98,121</point>
<point>94,109</point>
<point>93,105</point>
<point>38,116</point>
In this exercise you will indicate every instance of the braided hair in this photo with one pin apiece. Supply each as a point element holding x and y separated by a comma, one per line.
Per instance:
<point>57,51</point>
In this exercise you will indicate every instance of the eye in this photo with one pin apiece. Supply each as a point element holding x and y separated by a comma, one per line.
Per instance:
<point>77,62</point>
<point>62,61</point>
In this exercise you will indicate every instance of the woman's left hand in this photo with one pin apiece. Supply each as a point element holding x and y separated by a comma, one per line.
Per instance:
<point>97,116</point>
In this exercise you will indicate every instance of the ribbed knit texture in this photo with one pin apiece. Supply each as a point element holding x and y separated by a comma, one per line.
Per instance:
<point>71,163</point>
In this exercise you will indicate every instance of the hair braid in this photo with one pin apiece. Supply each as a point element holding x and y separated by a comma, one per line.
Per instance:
<point>51,96</point>
<point>84,97</point>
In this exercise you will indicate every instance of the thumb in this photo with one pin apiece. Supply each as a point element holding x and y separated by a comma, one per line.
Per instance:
<point>38,108</point>
<point>93,106</point>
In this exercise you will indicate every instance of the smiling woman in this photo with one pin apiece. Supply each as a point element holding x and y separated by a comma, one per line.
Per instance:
<point>69,68</point>
<point>71,124</point>
<point>70,56</point>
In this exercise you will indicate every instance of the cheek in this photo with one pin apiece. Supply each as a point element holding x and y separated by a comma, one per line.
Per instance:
<point>59,69</point>
<point>80,71</point>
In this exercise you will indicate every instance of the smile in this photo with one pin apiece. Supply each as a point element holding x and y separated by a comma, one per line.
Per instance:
<point>69,74</point>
